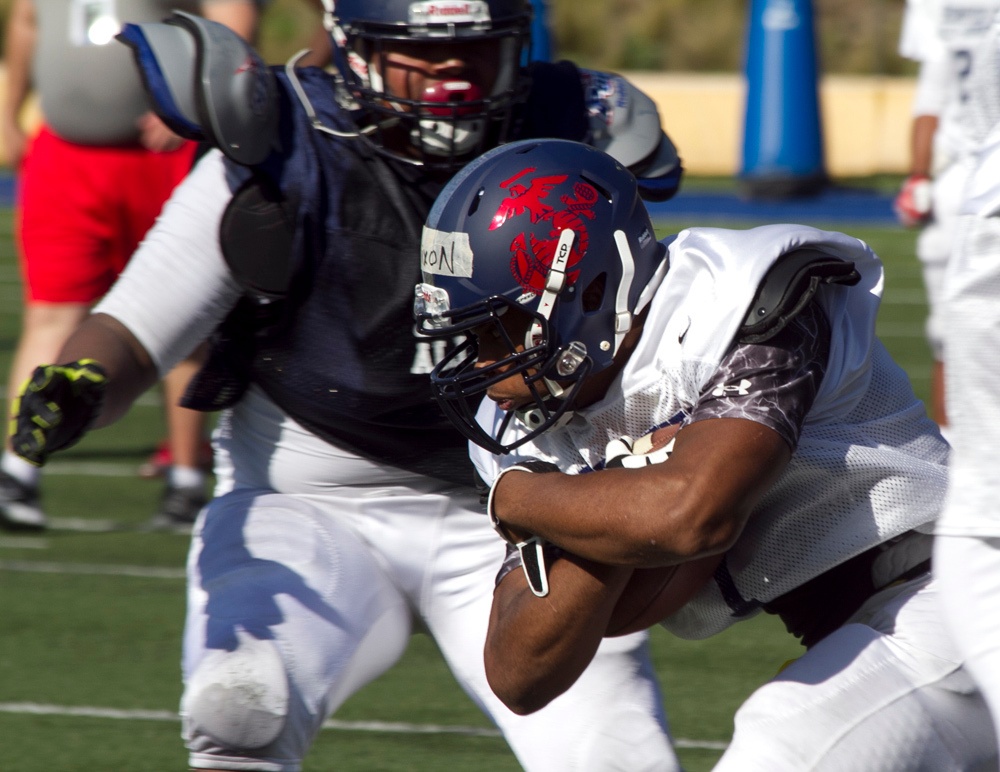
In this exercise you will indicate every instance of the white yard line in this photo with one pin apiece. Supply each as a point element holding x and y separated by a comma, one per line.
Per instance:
<point>384,727</point>
<point>899,330</point>
<point>901,296</point>
<point>92,468</point>
<point>78,525</point>
<point>23,543</point>
<point>90,569</point>
<point>88,525</point>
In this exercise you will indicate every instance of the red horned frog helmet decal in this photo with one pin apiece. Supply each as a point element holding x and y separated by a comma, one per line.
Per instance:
<point>531,257</point>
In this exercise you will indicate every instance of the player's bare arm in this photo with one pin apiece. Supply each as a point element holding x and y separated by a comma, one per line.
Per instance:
<point>130,371</point>
<point>692,505</point>
<point>59,403</point>
<point>922,145</point>
<point>19,46</point>
<point>536,648</point>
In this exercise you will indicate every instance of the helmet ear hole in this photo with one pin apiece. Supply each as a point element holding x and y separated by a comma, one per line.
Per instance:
<point>593,295</point>
<point>602,191</point>
<point>474,204</point>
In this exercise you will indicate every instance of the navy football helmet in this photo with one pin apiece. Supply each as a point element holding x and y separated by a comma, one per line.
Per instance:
<point>556,231</point>
<point>452,120</point>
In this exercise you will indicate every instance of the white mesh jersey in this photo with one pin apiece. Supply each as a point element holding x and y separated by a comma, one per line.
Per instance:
<point>972,323</point>
<point>944,36</point>
<point>869,465</point>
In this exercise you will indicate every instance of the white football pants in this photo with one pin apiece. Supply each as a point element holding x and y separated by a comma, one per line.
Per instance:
<point>934,246</point>
<point>884,693</point>
<point>969,571</point>
<point>333,585</point>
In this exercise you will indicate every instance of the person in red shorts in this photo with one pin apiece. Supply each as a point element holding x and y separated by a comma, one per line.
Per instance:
<point>91,183</point>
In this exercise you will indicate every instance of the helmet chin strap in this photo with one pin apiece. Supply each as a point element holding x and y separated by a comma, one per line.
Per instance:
<point>534,417</point>
<point>554,283</point>
<point>307,105</point>
<point>444,138</point>
<point>328,15</point>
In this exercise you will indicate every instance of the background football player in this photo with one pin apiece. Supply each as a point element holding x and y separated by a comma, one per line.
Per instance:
<point>945,37</point>
<point>966,556</point>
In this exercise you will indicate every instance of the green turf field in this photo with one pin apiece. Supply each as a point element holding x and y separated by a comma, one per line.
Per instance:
<point>91,615</point>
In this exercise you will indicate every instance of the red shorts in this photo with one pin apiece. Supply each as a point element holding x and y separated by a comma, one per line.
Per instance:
<point>83,211</point>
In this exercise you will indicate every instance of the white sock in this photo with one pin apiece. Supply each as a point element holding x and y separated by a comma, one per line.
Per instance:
<point>185,477</point>
<point>22,471</point>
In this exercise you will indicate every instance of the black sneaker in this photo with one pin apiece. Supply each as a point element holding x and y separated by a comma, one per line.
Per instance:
<point>19,508</point>
<point>178,508</point>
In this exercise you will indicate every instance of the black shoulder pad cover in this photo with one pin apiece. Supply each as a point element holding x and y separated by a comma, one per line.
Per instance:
<point>788,286</point>
<point>256,236</point>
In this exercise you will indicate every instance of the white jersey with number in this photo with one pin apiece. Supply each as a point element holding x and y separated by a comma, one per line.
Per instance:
<point>869,465</point>
<point>944,35</point>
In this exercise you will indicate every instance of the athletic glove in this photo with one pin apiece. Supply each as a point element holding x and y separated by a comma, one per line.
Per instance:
<point>55,408</point>
<point>534,551</point>
<point>913,204</point>
<point>626,453</point>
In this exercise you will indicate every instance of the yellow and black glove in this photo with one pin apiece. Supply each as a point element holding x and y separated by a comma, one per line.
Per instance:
<point>56,407</point>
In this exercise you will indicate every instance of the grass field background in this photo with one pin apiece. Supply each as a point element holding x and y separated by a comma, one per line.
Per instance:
<point>91,612</point>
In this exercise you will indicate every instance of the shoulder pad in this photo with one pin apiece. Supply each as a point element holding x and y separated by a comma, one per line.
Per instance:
<point>788,286</point>
<point>659,176</point>
<point>257,237</point>
<point>207,83</point>
<point>625,124</point>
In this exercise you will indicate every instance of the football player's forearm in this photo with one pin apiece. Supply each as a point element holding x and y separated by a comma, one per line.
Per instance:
<point>620,517</point>
<point>536,648</point>
<point>129,368</point>
<point>692,505</point>
<point>922,144</point>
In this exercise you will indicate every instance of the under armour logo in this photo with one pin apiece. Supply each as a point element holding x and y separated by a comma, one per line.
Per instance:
<point>740,390</point>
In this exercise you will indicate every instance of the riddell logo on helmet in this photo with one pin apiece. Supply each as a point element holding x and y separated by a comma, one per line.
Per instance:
<point>438,12</point>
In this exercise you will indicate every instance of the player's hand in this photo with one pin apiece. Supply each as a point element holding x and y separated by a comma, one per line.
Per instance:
<point>532,548</point>
<point>626,453</point>
<point>55,408</point>
<point>155,136</point>
<point>914,203</point>
<point>532,465</point>
<point>15,142</point>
